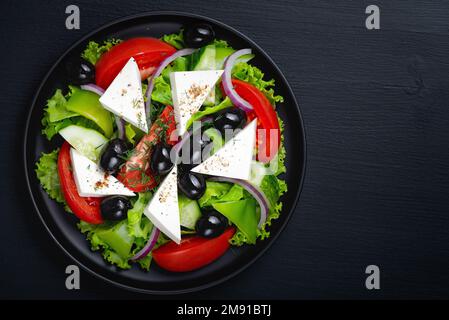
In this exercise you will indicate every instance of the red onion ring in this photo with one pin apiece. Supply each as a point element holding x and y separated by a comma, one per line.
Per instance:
<point>254,191</point>
<point>93,88</point>
<point>148,246</point>
<point>227,81</point>
<point>158,71</point>
<point>120,127</point>
<point>178,146</point>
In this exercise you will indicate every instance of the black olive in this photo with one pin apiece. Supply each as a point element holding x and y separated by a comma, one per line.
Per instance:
<point>115,208</point>
<point>198,35</point>
<point>211,224</point>
<point>197,149</point>
<point>229,119</point>
<point>161,162</point>
<point>80,72</point>
<point>114,155</point>
<point>192,184</point>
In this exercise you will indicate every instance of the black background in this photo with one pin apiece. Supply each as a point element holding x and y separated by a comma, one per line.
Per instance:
<point>376,112</point>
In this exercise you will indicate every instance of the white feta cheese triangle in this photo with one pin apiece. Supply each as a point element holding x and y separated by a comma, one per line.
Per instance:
<point>234,159</point>
<point>163,209</point>
<point>92,181</point>
<point>124,96</point>
<point>189,91</point>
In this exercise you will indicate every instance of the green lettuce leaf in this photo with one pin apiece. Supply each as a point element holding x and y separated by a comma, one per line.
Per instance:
<point>175,39</point>
<point>47,173</point>
<point>251,74</point>
<point>179,64</point>
<point>139,226</point>
<point>218,192</point>
<point>221,43</point>
<point>120,241</point>
<point>57,117</point>
<point>235,193</point>
<point>56,107</point>
<point>94,50</point>
<point>243,215</point>
<point>112,238</point>
<point>214,191</point>
<point>162,90</point>
<point>280,156</point>
<point>237,205</point>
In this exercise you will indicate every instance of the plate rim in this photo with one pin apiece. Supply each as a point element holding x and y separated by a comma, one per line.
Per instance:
<point>288,89</point>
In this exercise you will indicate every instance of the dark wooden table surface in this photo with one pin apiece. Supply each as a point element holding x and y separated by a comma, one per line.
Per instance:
<point>376,111</point>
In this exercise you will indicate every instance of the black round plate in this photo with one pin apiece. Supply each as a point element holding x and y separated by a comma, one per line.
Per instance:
<point>62,226</point>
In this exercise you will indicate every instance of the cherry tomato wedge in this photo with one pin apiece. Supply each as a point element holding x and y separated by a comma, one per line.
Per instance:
<point>192,253</point>
<point>148,53</point>
<point>136,173</point>
<point>85,208</point>
<point>268,133</point>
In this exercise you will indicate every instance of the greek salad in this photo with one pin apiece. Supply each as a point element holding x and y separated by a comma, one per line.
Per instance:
<point>171,149</point>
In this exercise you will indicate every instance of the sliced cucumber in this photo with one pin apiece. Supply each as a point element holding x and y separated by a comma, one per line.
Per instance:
<point>222,53</point>
<point>189,211</point>
<point>258,172</point>
<point>204,59</point>
<point>212,58</point>
<point>215,136</point>
<point>88,142</point>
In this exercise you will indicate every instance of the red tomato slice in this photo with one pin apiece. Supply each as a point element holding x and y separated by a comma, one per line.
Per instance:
<point>192,253</point>
<point>85,208</point>
<point>268,133</point>
<point>136,173</point>
<point>148,53</point>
